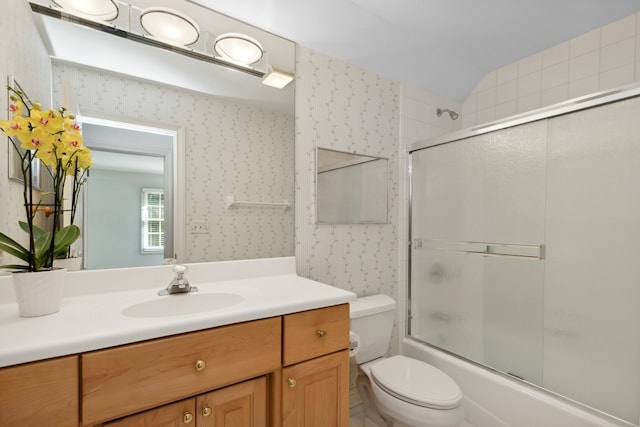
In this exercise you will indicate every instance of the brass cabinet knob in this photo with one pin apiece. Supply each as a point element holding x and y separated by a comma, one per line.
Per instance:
<point>187,417</point>
<point>200,365</point>
<point>292,382</point>
<point>320,333</point>
<point>206,411</point>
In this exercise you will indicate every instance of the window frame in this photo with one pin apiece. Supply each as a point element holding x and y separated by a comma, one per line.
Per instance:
<point>145,248</point>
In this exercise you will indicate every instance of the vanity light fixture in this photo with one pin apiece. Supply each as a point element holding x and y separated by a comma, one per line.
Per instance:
<point>170,26</point>
<point>238,48</point>
<point>277,78</point>
<point>155,41</point>
<point>102,10</point>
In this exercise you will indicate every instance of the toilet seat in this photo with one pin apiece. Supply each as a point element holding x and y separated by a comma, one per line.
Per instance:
<point>416,382</point>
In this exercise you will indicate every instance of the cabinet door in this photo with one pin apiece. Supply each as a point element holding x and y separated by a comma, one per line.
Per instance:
<point>316,393</point>
<point>40,394</point>
<point>239,405</point>
<point>179,414</point>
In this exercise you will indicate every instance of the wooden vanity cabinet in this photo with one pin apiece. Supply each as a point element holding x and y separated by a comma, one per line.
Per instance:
<point>135,377</point>
<point>178,414</point>
<point>289,371</point>
<point>41,393</point>
<point>315,393</point>
<point>239,405</point>
<point>314,382</point>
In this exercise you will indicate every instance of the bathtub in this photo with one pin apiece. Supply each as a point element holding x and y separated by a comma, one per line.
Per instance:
<point>495,400</point>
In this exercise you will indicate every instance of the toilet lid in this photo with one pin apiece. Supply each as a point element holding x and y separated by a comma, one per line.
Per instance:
<point>416,382</point>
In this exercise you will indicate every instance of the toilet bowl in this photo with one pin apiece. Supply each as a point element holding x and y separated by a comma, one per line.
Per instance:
<point>409,393</point>
<point>398,391</point>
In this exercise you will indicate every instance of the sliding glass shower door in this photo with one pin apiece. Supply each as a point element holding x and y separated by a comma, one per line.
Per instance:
<point>525,253</point>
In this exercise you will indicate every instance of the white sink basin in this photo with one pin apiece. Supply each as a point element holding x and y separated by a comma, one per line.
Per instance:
<point>182,304</point>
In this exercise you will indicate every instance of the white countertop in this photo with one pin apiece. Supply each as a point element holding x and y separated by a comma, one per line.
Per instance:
<point>91,315</point>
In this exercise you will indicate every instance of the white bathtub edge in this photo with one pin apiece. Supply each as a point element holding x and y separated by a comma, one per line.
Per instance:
<point>512,403</point>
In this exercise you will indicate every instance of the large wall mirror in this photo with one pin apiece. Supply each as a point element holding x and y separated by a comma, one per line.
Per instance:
<point>235,135</point>
<point>351,188</point>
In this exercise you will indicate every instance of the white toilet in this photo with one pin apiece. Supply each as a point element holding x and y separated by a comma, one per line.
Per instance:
<point>398,391</point>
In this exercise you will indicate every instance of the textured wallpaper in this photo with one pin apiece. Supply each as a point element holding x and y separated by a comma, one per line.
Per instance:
<point>23,56</point>
<point>344,108</point>
<point>230,149</point>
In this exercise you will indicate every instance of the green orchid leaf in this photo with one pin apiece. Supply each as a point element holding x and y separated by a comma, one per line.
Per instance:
<point>42,251</point>
<point>64,238</point>
<point>15,267</point>
<point>14,248</point>
<point>37,232</point>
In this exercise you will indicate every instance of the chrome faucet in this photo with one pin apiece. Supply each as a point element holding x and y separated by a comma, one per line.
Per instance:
<point>179,284</point>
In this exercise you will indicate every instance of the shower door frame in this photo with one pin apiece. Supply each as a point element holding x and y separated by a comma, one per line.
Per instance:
<point>566,107</point>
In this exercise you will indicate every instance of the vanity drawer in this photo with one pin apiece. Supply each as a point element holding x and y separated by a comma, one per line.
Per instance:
<point>313,333</point>
<point>127,379</point>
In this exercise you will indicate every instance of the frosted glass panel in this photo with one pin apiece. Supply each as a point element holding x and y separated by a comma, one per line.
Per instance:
<point>468,196</point>
<point>562,310</point>
<point>486,188</point>
<point>592,294</point>
<point>447,301</point>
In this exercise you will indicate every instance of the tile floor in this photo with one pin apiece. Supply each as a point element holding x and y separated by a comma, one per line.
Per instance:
<point>357,420</point>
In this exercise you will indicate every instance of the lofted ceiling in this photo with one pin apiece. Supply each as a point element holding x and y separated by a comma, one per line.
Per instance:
<point>444,46</point>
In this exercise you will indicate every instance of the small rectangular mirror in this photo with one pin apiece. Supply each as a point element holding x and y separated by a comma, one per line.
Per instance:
<point>351,188</point>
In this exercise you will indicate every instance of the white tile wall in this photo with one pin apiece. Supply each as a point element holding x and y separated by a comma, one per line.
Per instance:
<point>601,59</point>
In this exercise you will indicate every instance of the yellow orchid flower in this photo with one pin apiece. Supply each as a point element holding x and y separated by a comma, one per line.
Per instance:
<point>16,108</point>
<point>15,126</point>
<point>70,125</point>
<point>71,139</point>
<point>48,120</point>
<point>47,155</point>
<point>53,137</point>
<point>36,139</point>
<point>83,158</point>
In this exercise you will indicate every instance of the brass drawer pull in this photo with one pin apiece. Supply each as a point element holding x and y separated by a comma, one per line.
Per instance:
<point>206,411</point>
<point>187,417</point>
<point>321,334</point>
<point>292,382</point>
<point>200,365</point>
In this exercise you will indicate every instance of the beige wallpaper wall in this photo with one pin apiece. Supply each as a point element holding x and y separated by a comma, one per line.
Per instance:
<point>231,149</point>
<point>344,108</point>
<point>23,56</point>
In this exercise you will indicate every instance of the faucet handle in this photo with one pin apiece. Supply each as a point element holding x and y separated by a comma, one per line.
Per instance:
<point>180,269</point>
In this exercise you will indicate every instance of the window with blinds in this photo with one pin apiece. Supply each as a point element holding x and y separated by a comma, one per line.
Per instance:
<point>152,220</point>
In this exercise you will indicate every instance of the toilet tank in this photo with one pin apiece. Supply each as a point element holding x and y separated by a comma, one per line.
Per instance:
<point>372,320</point>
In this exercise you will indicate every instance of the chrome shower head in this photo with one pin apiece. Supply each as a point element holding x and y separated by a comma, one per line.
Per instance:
<point>452,113</point>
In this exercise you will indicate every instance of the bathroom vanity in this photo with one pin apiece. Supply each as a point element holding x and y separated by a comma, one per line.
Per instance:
<point>258,362</point>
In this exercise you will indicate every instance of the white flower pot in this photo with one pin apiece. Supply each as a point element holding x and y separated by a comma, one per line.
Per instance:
<point>71,264</point>
<point>39,293</point>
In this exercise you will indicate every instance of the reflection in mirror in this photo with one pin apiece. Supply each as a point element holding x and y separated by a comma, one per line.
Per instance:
<point>126,223</point>
<point>16,153</point>
<point>350,188</point>
<point>238,133</point>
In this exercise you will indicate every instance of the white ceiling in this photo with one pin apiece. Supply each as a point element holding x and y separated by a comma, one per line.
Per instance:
<point>445,46</point>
